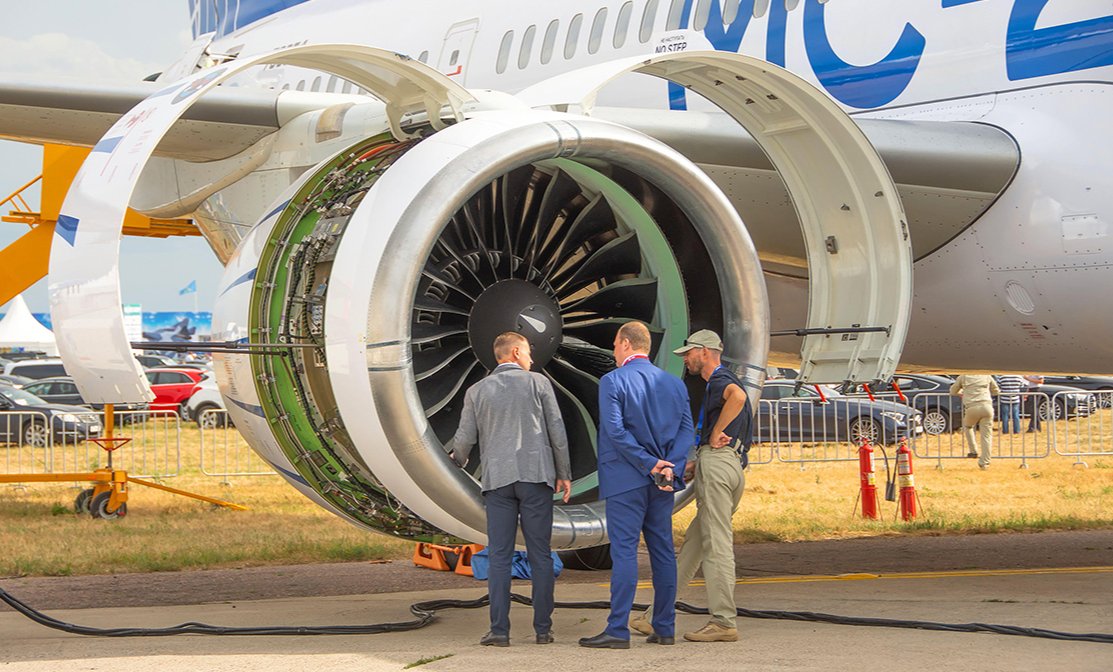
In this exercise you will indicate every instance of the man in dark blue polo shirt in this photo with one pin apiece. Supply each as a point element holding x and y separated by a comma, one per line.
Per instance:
<point>724,431</point>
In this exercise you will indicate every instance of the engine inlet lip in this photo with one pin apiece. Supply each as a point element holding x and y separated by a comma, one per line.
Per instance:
<point>445,170</point>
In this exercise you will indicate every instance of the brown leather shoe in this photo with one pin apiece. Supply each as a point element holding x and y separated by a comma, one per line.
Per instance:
<point>713,632</point>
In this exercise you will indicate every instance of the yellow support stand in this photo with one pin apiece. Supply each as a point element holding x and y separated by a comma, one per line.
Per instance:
<point>108,499</point>
<point>26,261</point>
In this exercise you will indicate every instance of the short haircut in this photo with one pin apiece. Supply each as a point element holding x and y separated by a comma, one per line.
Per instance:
<point>638,335</point>
<point>506,341</point>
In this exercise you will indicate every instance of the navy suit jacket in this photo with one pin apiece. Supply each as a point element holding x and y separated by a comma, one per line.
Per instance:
<point>643,416</point>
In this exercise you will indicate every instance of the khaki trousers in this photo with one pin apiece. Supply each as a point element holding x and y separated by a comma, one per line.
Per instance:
<point>979,415</point>
<point>710,537</point>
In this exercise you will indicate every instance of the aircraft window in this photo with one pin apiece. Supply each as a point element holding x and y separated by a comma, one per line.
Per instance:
<point>286,86</point>
<point>597,27</point>
<point>526,50</point>
<point>455,57</point>
<point>333,82</point>
<point>730,10</point>
<point>760,8</point>
<point>504,52</point>
<point>347,87</point>
<point>622,26</point>
<point>550,40</point>
<point>791,4</point>
<point>573,39</point>
<point>301,85</point>
<point>648,16</point>
<point>424,57</point>
<point>703,10</point>
<point>676,14</point>
<point>316,84</point>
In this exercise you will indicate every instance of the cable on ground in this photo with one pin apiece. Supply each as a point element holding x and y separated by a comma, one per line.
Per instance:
<point>426,612</point>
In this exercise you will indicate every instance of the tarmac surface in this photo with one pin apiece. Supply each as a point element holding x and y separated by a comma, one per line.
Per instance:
<point>1056,581</point>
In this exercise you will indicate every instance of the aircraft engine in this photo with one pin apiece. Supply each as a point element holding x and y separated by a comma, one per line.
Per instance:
<point>384,275</point>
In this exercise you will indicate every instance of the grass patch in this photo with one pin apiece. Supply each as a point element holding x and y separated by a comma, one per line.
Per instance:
<point>42,536</point>
<point>426,661</point>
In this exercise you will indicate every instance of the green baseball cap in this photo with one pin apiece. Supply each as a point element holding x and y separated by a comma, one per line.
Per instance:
<point>704,338</point>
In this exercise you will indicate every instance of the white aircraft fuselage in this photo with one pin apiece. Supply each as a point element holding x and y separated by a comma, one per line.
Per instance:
<point>1021,285</point>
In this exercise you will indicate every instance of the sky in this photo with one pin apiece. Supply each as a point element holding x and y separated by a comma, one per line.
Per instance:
<point>109,40</point>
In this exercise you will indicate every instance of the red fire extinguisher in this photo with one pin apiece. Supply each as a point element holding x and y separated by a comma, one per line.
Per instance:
<point>868,485</point>
<point>907,483</point>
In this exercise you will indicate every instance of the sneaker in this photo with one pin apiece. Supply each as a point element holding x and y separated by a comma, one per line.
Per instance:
<point>983,467</point>
<point>972,455</point>
<point>641,624</point>
<point>713,632</point>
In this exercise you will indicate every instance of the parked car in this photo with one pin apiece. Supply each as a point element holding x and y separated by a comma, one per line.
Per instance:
<point>1071,402</point>
<point>929,394</point>
<point>150,361</point>
<point>30,420</point>
<point>206,397</point>
<point>803,415</point>
<point>62,390</point>
<point>14,381</point>
<point>1088,383</point>
<point>172,387</point>
<point>36,368</point>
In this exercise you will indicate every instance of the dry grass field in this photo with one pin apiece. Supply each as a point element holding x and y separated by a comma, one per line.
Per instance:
<point>42,535</point>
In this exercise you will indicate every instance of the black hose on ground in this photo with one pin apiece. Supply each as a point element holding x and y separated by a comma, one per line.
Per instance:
<point>426,612</point>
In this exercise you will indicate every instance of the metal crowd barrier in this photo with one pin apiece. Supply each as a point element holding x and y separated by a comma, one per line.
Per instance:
<point>224,452</point>
<point>155,449</point>
<point>945,439</point>
<point>1084,430</point>
<point>813,430</point>
<point>25,442</point>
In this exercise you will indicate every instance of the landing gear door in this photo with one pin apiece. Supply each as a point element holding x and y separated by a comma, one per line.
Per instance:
<point>458,42</point>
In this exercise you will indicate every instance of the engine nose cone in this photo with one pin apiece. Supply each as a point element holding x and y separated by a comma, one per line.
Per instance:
<point>515,305</point>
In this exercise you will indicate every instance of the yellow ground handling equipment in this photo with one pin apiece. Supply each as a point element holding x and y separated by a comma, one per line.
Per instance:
<point>108,498</point>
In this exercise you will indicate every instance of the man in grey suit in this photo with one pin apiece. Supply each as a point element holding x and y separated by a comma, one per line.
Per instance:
<point>513,415</point>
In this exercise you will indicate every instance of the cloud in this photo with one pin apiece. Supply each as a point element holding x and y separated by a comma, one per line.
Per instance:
<point>53,55</point>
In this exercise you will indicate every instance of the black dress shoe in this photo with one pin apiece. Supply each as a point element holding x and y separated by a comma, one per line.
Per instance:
<point>657,639</point>
<point>545,638</point>
<point>491,639</point>
<point>604,641</point>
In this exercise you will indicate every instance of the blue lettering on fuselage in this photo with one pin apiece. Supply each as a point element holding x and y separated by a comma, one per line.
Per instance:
<point>1029,52</point>
<point>857,86</point>
<point>1032,52</point>
<point>860,85</point>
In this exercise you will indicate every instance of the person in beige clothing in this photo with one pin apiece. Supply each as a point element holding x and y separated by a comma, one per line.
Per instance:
<point>977,394</point>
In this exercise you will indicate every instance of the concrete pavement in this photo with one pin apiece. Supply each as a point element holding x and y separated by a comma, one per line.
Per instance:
<point>1077,601</point>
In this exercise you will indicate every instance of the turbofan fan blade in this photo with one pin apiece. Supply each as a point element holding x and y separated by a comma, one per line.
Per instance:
<point>586,357</point>
<point>431,360</point>
<point>439,389</point>
<point>621,256</point>
<point>595,219</point>
<point>635,299</point>
<point>579,426</point>
<point>601,332</point>
<point>422,332</point>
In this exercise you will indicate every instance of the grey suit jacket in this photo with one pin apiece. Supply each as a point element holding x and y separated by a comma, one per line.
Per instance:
<point>513,415</point>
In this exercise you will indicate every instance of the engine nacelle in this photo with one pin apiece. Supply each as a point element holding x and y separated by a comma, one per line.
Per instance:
<point>391,268</point>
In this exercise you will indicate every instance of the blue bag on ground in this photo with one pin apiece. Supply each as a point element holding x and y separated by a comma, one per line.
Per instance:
<point>519,565</point>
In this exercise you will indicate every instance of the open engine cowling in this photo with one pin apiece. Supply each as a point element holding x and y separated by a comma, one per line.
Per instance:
<point>393,266</point>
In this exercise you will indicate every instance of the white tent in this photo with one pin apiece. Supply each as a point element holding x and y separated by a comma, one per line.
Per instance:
<point>20,329</point>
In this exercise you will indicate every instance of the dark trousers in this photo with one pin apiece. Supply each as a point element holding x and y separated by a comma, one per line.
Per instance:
<point>642,511</point>
<point>532,504</point>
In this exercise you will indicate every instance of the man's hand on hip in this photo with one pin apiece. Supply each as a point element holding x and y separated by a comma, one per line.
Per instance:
<point>721,441</point>
<point>565,487</point>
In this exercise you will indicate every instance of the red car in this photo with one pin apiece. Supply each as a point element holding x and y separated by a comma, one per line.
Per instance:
<point>172,387</point>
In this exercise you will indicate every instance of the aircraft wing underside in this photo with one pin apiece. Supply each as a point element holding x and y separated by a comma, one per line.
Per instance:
<point>947,173</point>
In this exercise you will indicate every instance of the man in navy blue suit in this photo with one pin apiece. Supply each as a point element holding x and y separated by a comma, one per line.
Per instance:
<point>645,433</point>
